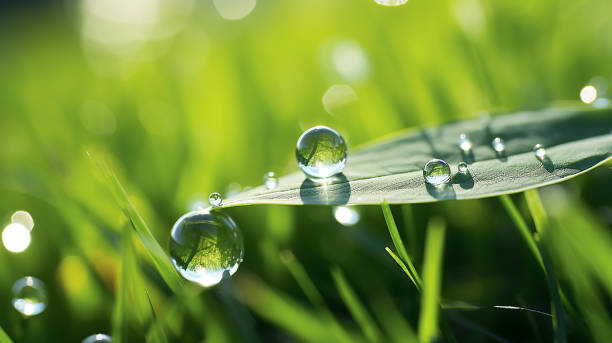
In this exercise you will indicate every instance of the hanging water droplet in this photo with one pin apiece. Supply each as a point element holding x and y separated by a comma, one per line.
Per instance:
<point>436,172</point>
<point>97,338</point>
<point>270,180</point>
<point>206,246</point>
<point>29,296</point>
<point>16,237</point>
<point>24,218</point>
<point>540,151</point>
<point>321,152</point>
<point>498,145</point>
<point>464,143</point>
<point>345,215</point>
<point>391,2</point>
<point>215,199</point>
<point>462,168</point>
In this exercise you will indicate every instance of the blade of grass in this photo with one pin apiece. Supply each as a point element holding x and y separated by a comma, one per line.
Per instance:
<point>541,222</point>
<point>432,279</point>
<point>399,244</point>
<point>522,227</point>
<point>4,338</point>
<point>403,266</point>
<point>410,231</point>
<point>357,309</point>
<point>314,296</point>
<point>395,326</point>
<point>119,321</point>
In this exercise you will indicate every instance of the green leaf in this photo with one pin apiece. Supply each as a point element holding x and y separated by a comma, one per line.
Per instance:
<point>4,338</point>
<point>576,140</point>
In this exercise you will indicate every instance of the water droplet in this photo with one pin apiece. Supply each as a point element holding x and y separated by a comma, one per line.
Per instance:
<point>345,215</point>
<point>29,296</point>
<point>270,180</point>
<point>464,143</point>
<point>462,167</point>
<point>498,145</point>
<point>540,151</point>
<point>206,246</point>
<point>97,338</point>
<point>391,2</point>
<point>436,172</point>
<point>215,199</point>
<point>16,237</point>
<point>588,94</point>
<point>321,152</point>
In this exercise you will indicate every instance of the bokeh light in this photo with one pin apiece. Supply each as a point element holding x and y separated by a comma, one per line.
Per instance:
<point>234,9</point>
<point>16,237</point>
<point>588,94</point>
<point>345,215</point>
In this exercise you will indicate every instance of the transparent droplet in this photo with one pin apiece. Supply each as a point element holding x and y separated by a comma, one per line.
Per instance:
<point>215,199</point>
<point>345,215</point>
<point>462,168</point>
<point>16,237</point>
<point>97,338</point>
<point>29,296</point>
<point>464,143</point>
<point>498,145</point>
<point>540,151</point>
<point>206,246</point>
<point>270,180</point>
<point>321,152</point>
<point>391,2</point>
<point>436,172</point>
<point>588,94</point>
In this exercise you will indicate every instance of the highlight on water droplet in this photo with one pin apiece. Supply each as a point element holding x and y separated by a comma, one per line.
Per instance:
<point>270,180</point>
<point>29,296</point>
<point>346,215</point>
<point>215,199</point>
<point>391,2</point>
<point>16,237</point>
<point>436,172</point>
<point>462,168</point>
<point>498,145</point>
<point>97,338</point>
<point>321,152</point>
<point>588,94</point>
<point>206,247</point>
<point>540,151</point>
<point>464,143</point>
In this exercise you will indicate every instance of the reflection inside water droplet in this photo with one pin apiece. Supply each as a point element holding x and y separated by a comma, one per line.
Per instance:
<point>345,215</point>
<point>436,172</point>
<point>270,180</point>
<point>321,152</point>
<point>29,296</point>
<point>97,338</point>
<point>206,246</point>
<point>215,199</point>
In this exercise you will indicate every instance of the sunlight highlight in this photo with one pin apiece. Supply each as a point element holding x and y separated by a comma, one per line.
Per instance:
<point>16,237</point>
<point>588,94</point>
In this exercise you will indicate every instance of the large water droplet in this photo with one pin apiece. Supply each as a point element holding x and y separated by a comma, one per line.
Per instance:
<point>206,246</point>
<point>321,152</point>
<point>464,143</point>
<point>16,237</point>
<point>215,199</point>
<point>462,168</point>
<point>498,145</point>
<point>270,180</point>
<point>540,151</point>
<point>588,94</point>
<point>97,338</point>
<point>345,215</point>
<point>391,2</point>
<point>29,296</point>
<point>436,172</point>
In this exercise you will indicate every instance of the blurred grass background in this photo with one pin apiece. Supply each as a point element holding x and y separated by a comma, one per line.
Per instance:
<point>182,102</point>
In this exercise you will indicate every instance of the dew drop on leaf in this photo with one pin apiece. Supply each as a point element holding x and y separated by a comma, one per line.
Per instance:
<point>498,145</point>
<point>321,152</point>
<point>215,199</point>
<point>540,151</point>
<point>270,180</point>
<point>464,143</point>
<point>462,167</point>
<point>206,247</point>
<point>436,172</point>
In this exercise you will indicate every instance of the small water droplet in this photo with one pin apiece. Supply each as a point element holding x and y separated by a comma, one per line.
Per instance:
<point>588,94</point>
<point>16,237</point>
<point>498,145</point>
<point>346,215</point>
<point>215,199</point>
<point>97,338</point>
<point>540,151</point>
<point>321,152</point>
<point>391,2</point>
<point>436,172</point>
<point>270,180</point>
<point>464,143</point>
<point>205,247</point>
<point>29,296</point>
<point>462,167</point>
